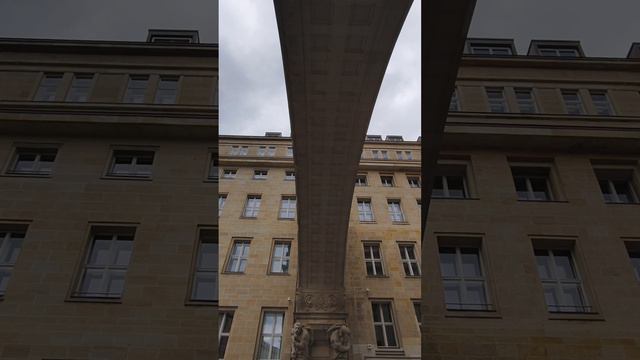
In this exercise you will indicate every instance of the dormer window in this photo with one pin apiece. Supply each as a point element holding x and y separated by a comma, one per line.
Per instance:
<point>173,36</point>
<point>491,47</point>
<point>561,49</point>
<point>394,138</point>
<point>373,138</point>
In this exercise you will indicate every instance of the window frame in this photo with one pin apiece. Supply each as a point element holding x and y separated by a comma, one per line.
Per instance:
<point>137,151</point>
<point>577,104</point>
<point>597,105</point>
<point>491,102</point>
<point>530,102</point>
<point>224,196</point>
<point>365,200</point>
<point>289,178</point>
<point>450,168</point>
<point>37,148</point>
<point>190,300</point>
<point>228,270</point>
<point>400,211</point>
<point>213,166</point>
<point>417,177</point>
<point>8,266</point>
<point>259,342</point>
<point>58,87</point>
<point>552,183</point>
<point>257,208</point>
<point>260,176</point>
<point>288,209</point>
<point>272,257</point>
<point>231,175</point>
<point>387,177</point>
<point>371,244</point>
<point>408,259</point>
<point>359,177</point>
<point>90,87</point>
<point>221,325</point>
<point>384,324</point>
<point>460,278</point>
<point>608,173</point>
<point>125,99</point>
<point>157,89</point>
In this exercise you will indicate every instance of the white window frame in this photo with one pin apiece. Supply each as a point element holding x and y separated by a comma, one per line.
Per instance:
<point>387,184</point>
<point>222,200</point>
<point>38,168</point>
<point>271,151</point>
<point>252,206</point>
<point>526,104</point>
<point>6,263</point>
<point>558,283</point>
<point>47,90</point>
<point>260,174</point>
<point>167,95</point>
<point>290,175</point>
<point>201,271</point>
<point>416,183</point>
<point>383,324</point>
<point>529,177</point>
<point>461,279</point>
<point>80,90</point>
<point>242,257</point>
<point>408,261</point>
<point>365,210</point>
<point>262,151</point>
<point>495,102</point>
<point>287,209</point>
<point>571,105</point>
<point>369,258</point>
<point>603,108</point>
<point>360,177</point>
<point>281,258</point>
<point>225,317</point>
<point>135,155</point>
<point>273,334</point>
<point>395,211</point>
<point>229,173</point>
<point>132,94</point>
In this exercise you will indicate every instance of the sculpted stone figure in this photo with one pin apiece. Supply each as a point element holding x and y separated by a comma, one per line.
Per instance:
<point>340,338</point>
<point>301,341</point>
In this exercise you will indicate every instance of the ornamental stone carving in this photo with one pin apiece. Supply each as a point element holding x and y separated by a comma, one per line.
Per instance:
<point>319,301</point>
<point>340,340</point>
<point>301,340</point>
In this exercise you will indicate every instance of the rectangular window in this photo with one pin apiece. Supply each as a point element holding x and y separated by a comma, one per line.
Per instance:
<point>271,336</point>
<point>634,255</point>
<point>244,151</point>
<point>399,155</point>
<point>463,278</point>
<point>289,151</point>
<point>563,290</point>
<point>572,102</point>
<point>235,150</point>
<point>131,163</point>
<point>290,175</point>
<point>383,324</point>
<point>48,87</point>
<point>281,257</point>
<point>361,180</point>
<point>395,210</point>
<point>408,155</point>
<point>386,180</point>
<point>416,309</point>
<point>414,181</point>
<point>450,182</point>
<point>222,199</point>
<point>205,275</point>
<point>271,151</point>
<point>384,154</point>
<point>488,49</point>
<point>229,173</point>
<point>454,103</point>
<point>375,154</point>
<point>409,259</point>
<point>252,207</point>
<point>239,256</point>
<point>558,51</point>
<point>497,101</point>
<point>526,101</point>
<point>167,91</point>
<point>601,102</point>
<point>532,183</point>
<point>617,185</point>
<point>262,150</point>
<point>106,263</point>
<point>10,247</point>
<point>288,207</point>
<point>33,161</point>
<point>373,260</point>
<point>365,212</point>
<point>260,174</point>
<point>136,89</point>
<point>213,167</point>
<point>80,87</point>
<point>225,320</point>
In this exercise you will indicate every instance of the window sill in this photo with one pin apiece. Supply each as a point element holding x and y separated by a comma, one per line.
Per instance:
<point>233,273</point>
<point>80,299</point>
<point>258,179</point>
<point>368,222</point>
<point>544,201</point>
<point>125,177</point>
<point>621,203</point>
<point>390,351</point>
<point>454,198</point>
<point>377,276</point>
<point>26,175</point>
<point>210,180</point>
<point>400,222</point>
<point>576,316</point>
<point>249,217</point>
<point>417,277</point>
<point>287,219</point>
<point>227,178</point>
<point>278,274</point>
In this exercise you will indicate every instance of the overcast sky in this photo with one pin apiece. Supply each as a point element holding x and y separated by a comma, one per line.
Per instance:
<point>253,99</point>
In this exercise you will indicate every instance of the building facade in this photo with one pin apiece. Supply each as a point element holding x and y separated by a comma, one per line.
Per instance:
<point>258,248</point>
<point>531,248</point>
<point>108,234</point>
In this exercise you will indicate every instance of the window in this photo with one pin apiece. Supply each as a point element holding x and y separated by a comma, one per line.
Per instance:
<point>497,101</point>
<point>454,103</point>
<point>395,211</point>
<point>281,257</point>
<point>616,185</point>
<point>384,325</point>
<point>373,260</point>
<point>365,211</point>
<point>526,101</point>
<point>490,49</point>
<point>243,151</point>
<point>384,154</point>
<point>532,183</point>
<point>601,102</point>
<point>563,291</point>
<point>380,154</point>
<point>229,173</point>
<point>131,163</point>
<point>375,154</point>
<point>271,336</point>
<point>373,138</point>
<point>33,161</point>
<point>386,180</point>
<point>289,175</point>
<point>205,275</point>
<point>288,207</point>
<point>80,87</point>
<point>450,182</point>
<point>239,256</point>
<point>414,181</point>
<point>416,309</point>
<point>136,89</point>
<point>213,166</point>
<point>572,102</point>
<point>463,278</point>
<point>225,319</point>
<point>289,151</point>
<point>252,207</point>
<point>222,199</point>
<point>558,51</point>
<point>10,247</point>
<point>361,180</point>
<point>409,260</point>
<point>396,138</point>
<point>260,174</point>
<point>408,155</point>
<point>167,92</point>
<point>262,150</point>
<point>48,87</point>
<point>399,155</point>
<point>239,150</point>
<point>106,264</point>
<point>271,151</point>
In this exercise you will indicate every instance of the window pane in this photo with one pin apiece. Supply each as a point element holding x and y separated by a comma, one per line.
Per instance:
<point>208,256</point>
<point>101,251</point>
<point>564,267</point>
<point>476,295</point>
<point>123,252</point>
<point>573,298</point>
<point>92,282</point>
<point>391,336</point>
<point>205,287</point>
<point>448,261</point>
<point>542,261</point>
<point>5,275</point>
<point>379,336</point>
<point>452,295</point>
<point>551,297</point>
<point>540,190</point>
<point>14,246</point>
<point>376,312</point>
<point>115,284</point>
<point>470,262</point>
<point>623,189</point>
